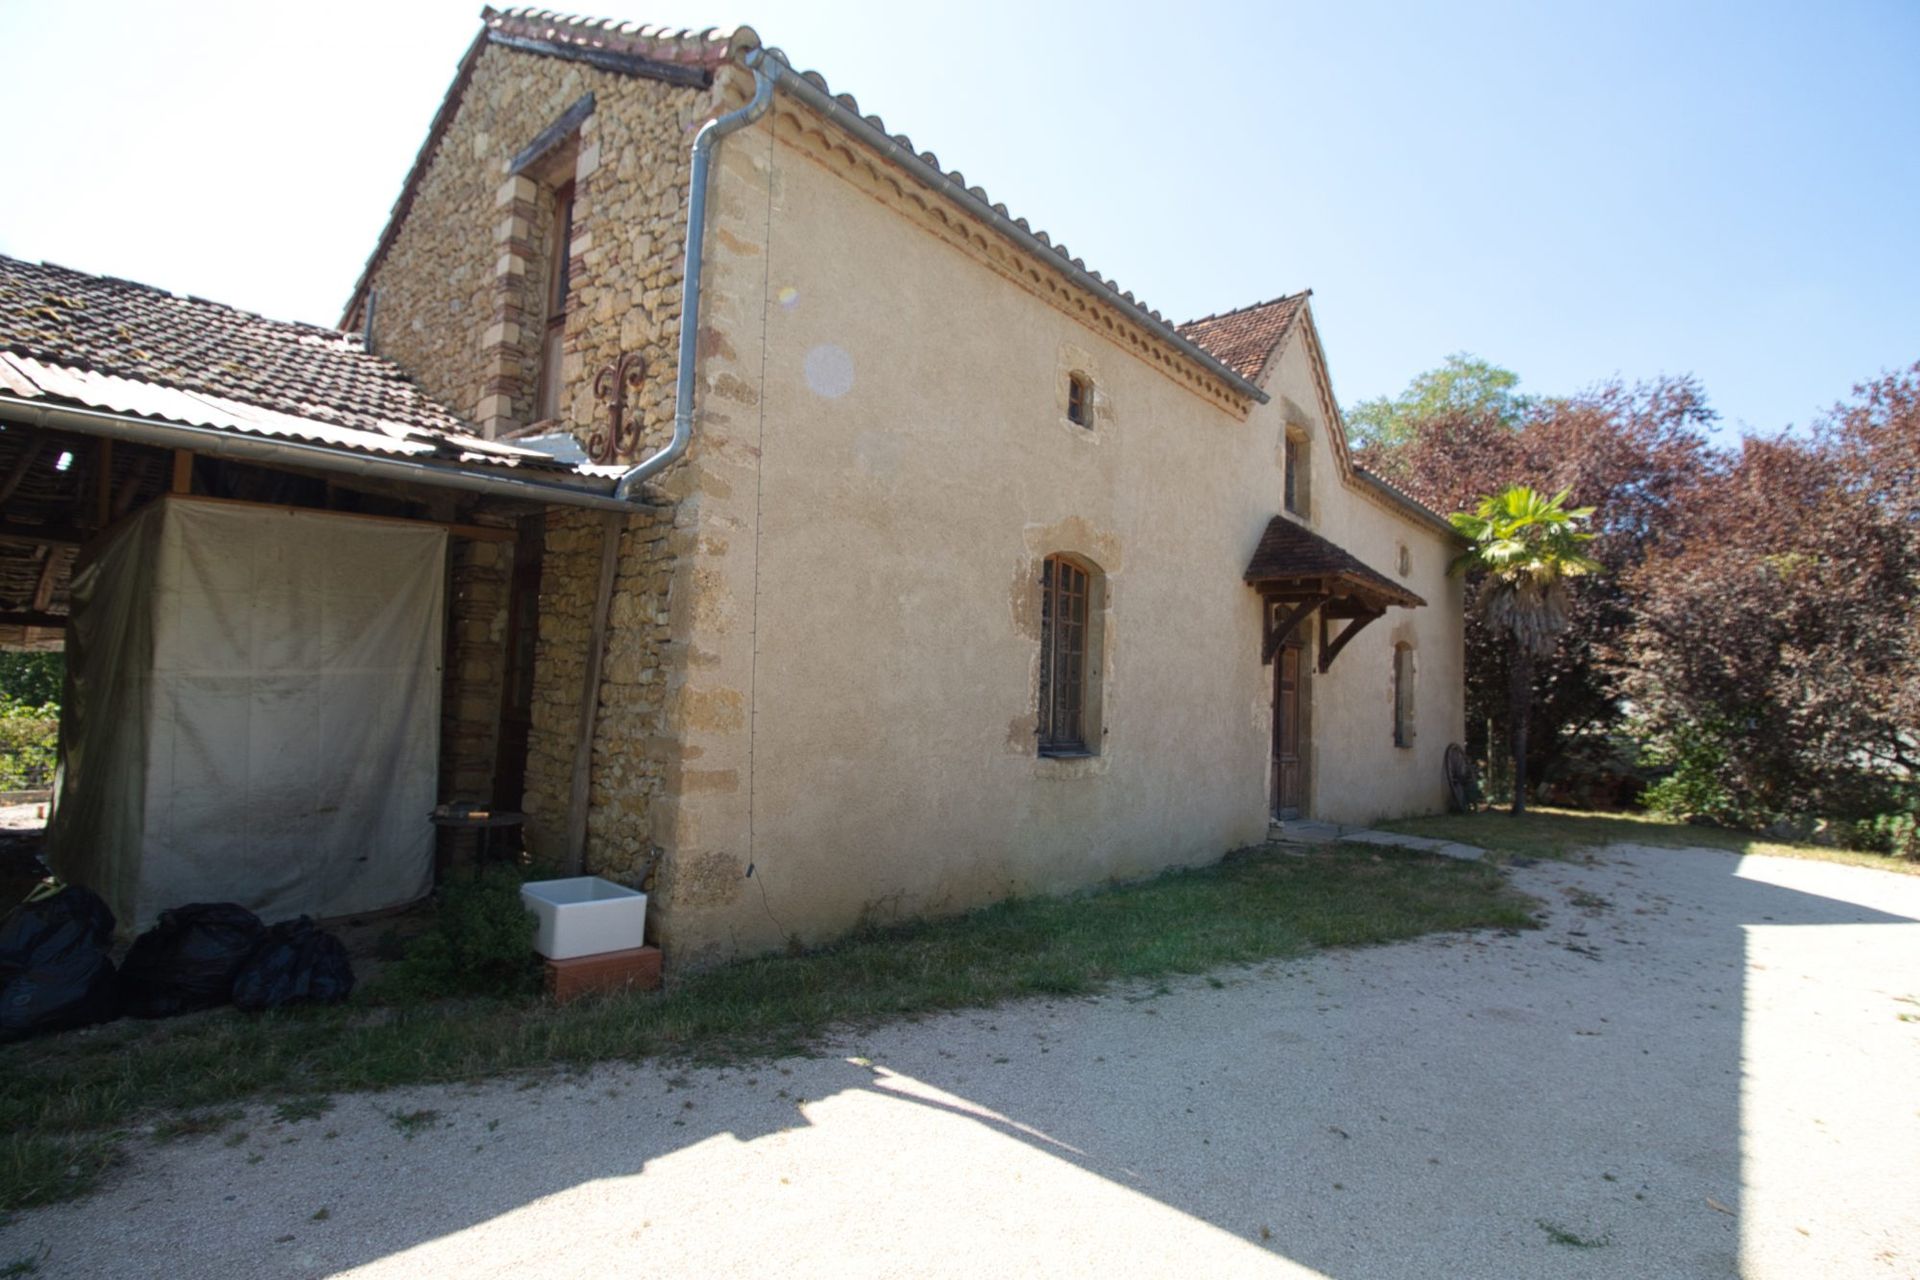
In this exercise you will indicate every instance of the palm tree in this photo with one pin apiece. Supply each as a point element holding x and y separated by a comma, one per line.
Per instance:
<point>1524,546</point>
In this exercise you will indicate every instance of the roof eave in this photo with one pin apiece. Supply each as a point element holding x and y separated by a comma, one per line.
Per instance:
<point>1408,503</point>
<point>843,112</point>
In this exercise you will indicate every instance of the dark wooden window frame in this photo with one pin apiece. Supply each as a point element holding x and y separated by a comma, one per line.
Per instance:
<point>1079,399</point>
<point>1290,455</point>
<point>1066,598</point>
<point>559,285</point>
<point>1403,693</point>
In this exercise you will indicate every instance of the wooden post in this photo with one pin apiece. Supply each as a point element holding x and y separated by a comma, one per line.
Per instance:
<point>182,471</point>
<point>590,697</point>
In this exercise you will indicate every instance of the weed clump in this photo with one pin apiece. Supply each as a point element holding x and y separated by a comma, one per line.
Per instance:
<point>479,944</point>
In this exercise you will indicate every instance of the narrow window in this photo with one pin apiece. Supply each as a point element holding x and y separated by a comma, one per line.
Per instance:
<point>1403,695</point>
<point>1079,400</point>
<point>1406,560</point>
<point>1063,658</point>
<point>1293,476</point>
<point>559,265</point>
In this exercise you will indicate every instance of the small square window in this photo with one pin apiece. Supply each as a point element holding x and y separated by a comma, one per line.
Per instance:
<point>1079,400</point>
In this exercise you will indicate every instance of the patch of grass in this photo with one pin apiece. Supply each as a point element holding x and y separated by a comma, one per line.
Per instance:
<point>410,1123</point>
<point>196,1124</point>
<point>1252,906</point>
<point>43,1168</point>
<point>1560,833</point>
<point>307,1107</point>
<point>1573,1240</point>
<point>28,1265</point>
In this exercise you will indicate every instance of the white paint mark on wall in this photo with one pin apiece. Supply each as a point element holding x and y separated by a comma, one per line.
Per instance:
<point>829,371</point>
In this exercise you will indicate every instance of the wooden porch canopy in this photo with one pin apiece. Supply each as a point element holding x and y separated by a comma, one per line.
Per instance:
<point>1296,571</point>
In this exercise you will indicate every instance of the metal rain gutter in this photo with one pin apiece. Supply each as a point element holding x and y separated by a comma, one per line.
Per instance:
<point>684,380</point>
<point>295,453</point>
<point>835,111</point>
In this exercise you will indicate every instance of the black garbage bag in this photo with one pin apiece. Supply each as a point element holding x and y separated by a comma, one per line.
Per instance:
<point>44,925</point>
<point>54,969</point>
<point>296,963</point>
<point>188,960</point>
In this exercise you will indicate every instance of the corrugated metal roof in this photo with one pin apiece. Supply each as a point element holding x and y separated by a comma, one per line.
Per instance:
<point>112,344</point>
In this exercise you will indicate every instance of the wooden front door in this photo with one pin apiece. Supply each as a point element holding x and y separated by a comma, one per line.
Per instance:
<point>1288,784</point>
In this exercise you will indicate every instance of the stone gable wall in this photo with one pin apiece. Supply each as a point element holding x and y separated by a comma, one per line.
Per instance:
<point>461,293</point>
<point>462,289</point>
<point>629,751</point>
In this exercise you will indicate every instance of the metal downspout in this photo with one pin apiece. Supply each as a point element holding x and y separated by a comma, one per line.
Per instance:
<point>580,796</point>
<point>684,381</point>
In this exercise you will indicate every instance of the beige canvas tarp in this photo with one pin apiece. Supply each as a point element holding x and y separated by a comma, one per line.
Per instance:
<point>252,713</point>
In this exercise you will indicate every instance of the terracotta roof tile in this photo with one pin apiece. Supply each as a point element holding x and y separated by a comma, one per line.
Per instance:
<point>706,49</point>
<point>1289,551</point>
<point>115,344</point>
<point>1244,340</point>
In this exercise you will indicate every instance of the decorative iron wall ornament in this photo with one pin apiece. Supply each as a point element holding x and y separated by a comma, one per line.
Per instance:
<point>620,436</point>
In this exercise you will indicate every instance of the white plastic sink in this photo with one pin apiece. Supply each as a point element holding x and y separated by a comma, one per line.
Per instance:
<point>584,916</point>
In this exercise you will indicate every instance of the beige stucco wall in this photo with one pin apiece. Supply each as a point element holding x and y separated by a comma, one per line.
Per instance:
<point>818,695</point>
<point>1355,773</point>
<point>882,462</point>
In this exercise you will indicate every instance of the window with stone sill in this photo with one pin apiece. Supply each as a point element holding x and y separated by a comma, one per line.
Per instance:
<point>1068,721</point>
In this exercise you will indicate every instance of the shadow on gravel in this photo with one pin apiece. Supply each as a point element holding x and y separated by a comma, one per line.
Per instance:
<point>1564,1102</point>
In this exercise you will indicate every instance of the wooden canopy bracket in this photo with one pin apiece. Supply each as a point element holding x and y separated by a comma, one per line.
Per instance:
<point>1330,649</point>
<point>1276,634</point>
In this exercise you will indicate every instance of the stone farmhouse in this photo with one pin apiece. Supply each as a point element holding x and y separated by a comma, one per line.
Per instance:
<point>861,554</point>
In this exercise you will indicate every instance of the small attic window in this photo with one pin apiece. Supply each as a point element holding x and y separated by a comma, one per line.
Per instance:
<point>1406,560</point>
<point>1079,400</point>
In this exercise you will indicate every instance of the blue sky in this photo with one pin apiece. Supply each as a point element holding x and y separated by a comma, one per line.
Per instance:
<point>1728,190</point>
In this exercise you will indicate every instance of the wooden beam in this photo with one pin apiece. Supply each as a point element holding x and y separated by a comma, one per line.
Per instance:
<point>22,465</point>
<point>552,136</point>
<point>43,535</point>
<point>1277,635</point>
<point>52,621</point>
<point>1328,652</point>
<point>49,575</point>
<point>590,696</point>
<point>182,471</point>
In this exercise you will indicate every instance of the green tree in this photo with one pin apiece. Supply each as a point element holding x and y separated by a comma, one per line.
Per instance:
<point>1465,385</point>
<point>1523,547</point>
<point>31,679</point>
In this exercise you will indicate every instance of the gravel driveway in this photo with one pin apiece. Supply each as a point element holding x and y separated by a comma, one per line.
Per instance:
<point>1703,1066</point>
